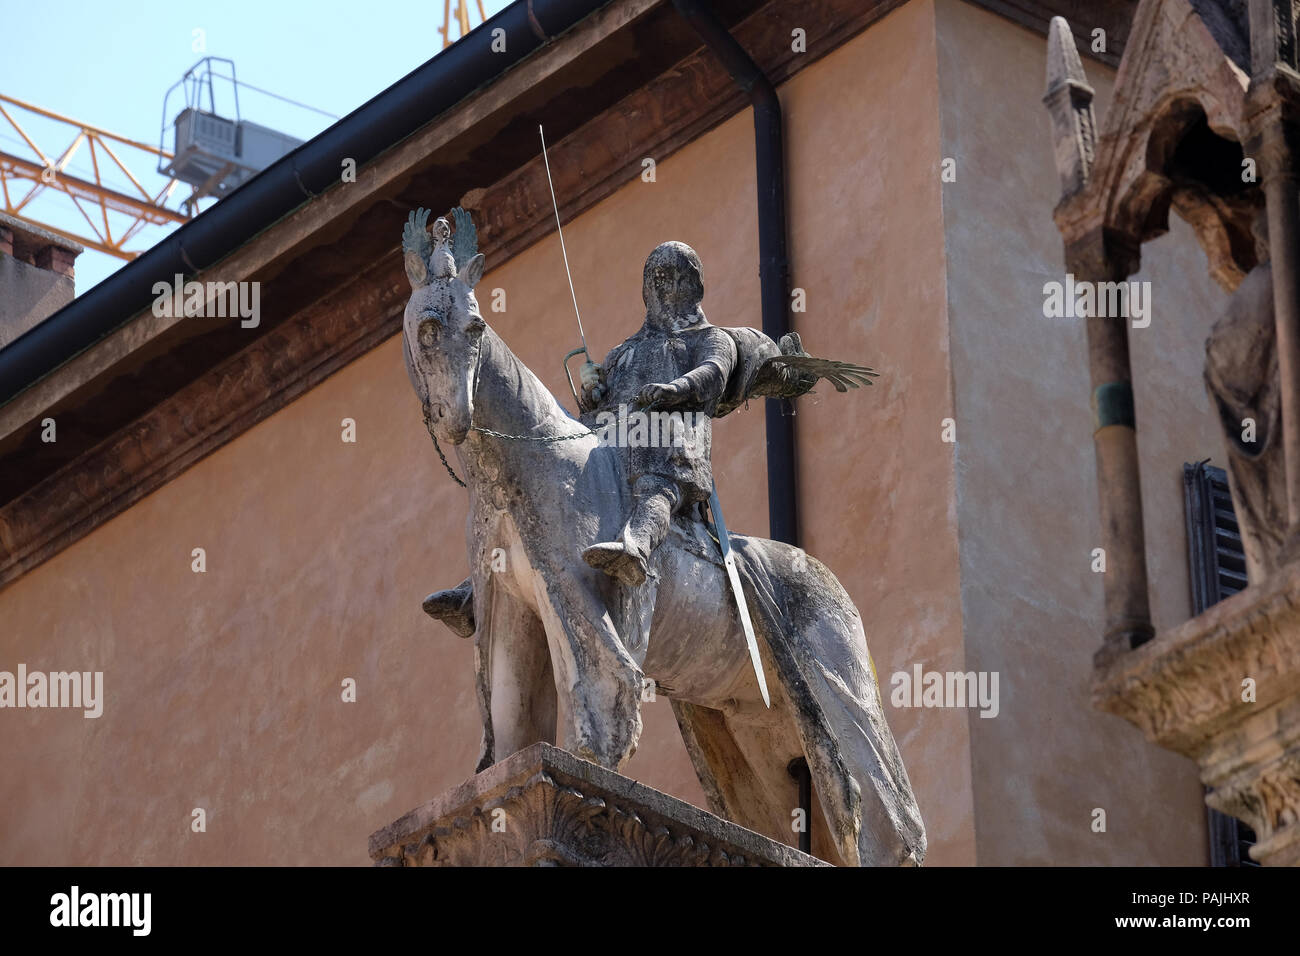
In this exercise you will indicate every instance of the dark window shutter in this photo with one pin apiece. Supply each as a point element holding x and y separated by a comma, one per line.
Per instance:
<point>1217,563</point>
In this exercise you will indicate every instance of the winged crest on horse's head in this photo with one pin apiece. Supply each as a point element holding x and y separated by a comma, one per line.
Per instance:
<point>442,326</point>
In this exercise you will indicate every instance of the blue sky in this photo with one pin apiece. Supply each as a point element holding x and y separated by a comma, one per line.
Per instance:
<point>109,64</point>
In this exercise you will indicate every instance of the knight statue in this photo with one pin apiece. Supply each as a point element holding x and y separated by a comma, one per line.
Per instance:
<point>617,575</point>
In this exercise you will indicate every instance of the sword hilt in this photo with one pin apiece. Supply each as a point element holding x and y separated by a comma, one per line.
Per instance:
<point>580,350</point>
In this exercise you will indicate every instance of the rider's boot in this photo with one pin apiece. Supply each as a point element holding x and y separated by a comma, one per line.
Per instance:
<point>454,607</point>
<point>628,559</point>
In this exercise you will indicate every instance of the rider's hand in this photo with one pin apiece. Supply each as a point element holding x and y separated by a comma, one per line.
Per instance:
<point>591,375</point>
<point>659,395</point>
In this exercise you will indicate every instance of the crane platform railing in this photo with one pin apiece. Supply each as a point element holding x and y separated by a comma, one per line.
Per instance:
<point>23,179</point>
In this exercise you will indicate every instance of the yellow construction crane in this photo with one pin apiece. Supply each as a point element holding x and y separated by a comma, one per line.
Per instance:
<point>462,19</point>
<point>22,179</point>
<point>115,217</point>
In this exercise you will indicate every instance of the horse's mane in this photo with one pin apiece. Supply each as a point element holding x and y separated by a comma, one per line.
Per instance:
<point>535,409</point>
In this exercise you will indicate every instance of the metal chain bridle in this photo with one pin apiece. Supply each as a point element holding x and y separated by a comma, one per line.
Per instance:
<point>544,440</point>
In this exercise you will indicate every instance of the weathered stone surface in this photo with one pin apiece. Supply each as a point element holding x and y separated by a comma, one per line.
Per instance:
<point>1178,57</point>
<point>1185,691</point>
<point>563,650</point>
<point>551,808</point>
<point>1202,121</point>
<point>1241,377</point>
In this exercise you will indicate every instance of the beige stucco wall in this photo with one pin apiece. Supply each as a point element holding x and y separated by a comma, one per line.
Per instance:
<point>223,688</point>
<point>1027,497</point>
<point>876,486</point>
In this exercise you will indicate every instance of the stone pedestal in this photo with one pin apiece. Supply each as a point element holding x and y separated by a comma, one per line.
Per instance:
<point>1191,689</point>
<point>545,807</point>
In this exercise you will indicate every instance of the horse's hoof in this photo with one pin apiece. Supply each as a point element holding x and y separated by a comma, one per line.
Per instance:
<point>616,561</point>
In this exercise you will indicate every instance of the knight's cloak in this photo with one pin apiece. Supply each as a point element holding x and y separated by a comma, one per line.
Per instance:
<point>857,771</point>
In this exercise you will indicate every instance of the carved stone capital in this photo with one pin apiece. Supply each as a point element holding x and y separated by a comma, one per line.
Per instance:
<point>545,807</point>
<point>1100,254</point>
<point>1224,689</point>
<point>1273,137</point>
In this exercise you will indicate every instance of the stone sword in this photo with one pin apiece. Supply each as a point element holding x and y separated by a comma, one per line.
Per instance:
<point>729,562</point>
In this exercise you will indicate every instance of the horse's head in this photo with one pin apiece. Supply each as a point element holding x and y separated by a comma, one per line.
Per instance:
<point>442,328</point>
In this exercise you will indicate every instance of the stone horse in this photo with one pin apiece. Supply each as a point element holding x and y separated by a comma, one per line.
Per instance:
<point>564,650</point>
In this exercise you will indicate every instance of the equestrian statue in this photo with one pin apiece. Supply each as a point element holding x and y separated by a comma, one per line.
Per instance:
<point>601,565</point>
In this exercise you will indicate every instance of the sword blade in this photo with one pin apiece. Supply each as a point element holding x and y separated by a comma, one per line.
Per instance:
<point>733,576</point>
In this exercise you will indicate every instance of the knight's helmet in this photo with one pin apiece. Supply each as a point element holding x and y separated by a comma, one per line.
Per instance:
<point>673,281</point>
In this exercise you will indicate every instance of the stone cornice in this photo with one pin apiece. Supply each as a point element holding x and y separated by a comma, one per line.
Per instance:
<point>1185,688</point>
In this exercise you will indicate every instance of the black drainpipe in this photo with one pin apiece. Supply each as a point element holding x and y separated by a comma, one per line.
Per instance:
<point>773,264</point>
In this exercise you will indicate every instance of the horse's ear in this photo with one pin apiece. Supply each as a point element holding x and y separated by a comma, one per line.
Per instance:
<point>416,270</point>
<point>472,271</point>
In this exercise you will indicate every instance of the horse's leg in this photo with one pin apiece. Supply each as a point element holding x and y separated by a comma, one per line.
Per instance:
<point>598,681</point>
<point>522,688</point>
<point>742,752</point>
<point>482,595</point>
<point>742,755</point>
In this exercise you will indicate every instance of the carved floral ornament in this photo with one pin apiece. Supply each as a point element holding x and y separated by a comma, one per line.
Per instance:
<point>543,807</point>
<point>1219,689</point>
